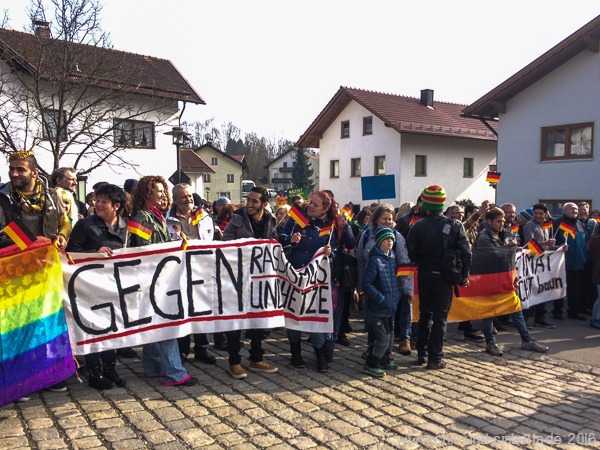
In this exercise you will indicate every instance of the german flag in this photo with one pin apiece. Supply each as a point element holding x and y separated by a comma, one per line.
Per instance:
<point>493,177</point>
<point>326,230</point>
<point>547,225</point>
<point>567,229</point>
<point>184,243</point>
<point>19,234</point>
<point>298,217</point>
<point>405,270</point>
<point>534,247</point>
<point>140,230</point>
<point>414,219</point>
<point>347,211</point>
<point>491,291</point>
<point>198,216</point>
<point>514,229</point>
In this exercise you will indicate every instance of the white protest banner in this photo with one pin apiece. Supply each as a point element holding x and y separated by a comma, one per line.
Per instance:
<point>540,278</point>
<point>148,294</point>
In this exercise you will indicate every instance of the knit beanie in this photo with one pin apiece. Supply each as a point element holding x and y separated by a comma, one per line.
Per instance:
<point>526,214</point>
<point>433,198</point>
<point>383,233</point>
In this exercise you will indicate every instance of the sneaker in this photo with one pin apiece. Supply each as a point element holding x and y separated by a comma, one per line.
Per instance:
<point>23,399</point>
<point>404,347</point>
<point>58,387</point>
<point>493,349</point>
<point>474,335</point>
<point>263,366</point>
<point>544,324</point>
<point>534,346</point>
<point>237,371</point>
<point>374,371</point>
<point>189,381</point>
<point>436,365</point>
<point>391,365</point>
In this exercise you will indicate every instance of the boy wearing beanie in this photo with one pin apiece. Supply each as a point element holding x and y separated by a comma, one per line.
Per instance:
<point>382,295</point>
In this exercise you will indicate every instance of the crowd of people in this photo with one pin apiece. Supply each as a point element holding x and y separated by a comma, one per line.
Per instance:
<point>368,248</point>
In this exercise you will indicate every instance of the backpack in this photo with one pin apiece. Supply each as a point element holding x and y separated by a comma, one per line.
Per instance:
<point>451,261</point>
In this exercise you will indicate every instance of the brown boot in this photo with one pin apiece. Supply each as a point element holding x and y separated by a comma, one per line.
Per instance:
<point>405,347</point>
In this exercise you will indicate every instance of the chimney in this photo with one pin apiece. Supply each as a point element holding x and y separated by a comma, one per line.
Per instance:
<point>427,97</point>
<point>42,29</point>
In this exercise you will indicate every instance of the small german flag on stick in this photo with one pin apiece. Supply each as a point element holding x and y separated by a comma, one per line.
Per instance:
<point>567,229</point>
<point>140,230</point>
<point>514,229</point>
<point>535,248</point>
<point>298,217</point>
<point>493,177</point>
<point>326,230</point>
<point>547,225</point>
<point>198,216</point>
<point>19,234</point>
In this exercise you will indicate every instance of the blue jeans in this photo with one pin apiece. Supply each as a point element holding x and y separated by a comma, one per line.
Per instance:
<point>317,340</point>
<point>403,318</point>
<point>163,358</point>
<point>519,321</point>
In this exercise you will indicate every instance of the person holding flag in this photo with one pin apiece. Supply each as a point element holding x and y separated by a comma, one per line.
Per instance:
<point>534,231</point>
<point>148,226</point>
<point>27,200</point>
<point>570,232</point>
<point>305,233</point>
<point>185,221</point>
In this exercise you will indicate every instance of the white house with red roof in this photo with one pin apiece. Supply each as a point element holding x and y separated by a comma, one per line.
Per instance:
<point>547,114</point>
<point>107,105</point>
<point>418,140</point>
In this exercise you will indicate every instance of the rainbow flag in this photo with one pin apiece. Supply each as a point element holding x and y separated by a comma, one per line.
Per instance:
<point>405,270</point>
<point>567,229</point>
<point>493,177</point>
<point>35,351</point>
<point>514,229</point>
<point>198,216</point>
<point>140,230</point>
<point>534,247</point>
<point>327,230</point>
<point>547,225</point>
<point>298,217</point>
<point>19,234</point>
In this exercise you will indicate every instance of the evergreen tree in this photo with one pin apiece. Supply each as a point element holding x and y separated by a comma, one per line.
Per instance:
<point>302,172</point>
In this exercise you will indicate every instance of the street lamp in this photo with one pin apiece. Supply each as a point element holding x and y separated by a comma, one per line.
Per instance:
<point>207,188</point>
<point>180,137</point>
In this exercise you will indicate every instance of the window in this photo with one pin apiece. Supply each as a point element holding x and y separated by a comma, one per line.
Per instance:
<point>355,167</point>
<point>51,125</point>
<point>420,165</point>
<point>346,129</point>
<point>133,133</point>
<point>367,125</point>
<point>214,161</point>
<point>567,141</point>
<point>380,165</point>
<point>468,168</point>
<point>224,194</point>
<point>206,177</point>
<point>230,178</point>
<point>334,169</point>
<point>284,164</point>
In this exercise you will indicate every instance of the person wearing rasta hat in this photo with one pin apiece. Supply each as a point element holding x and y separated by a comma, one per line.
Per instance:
<point>382,296</point>
<point>428,242</point>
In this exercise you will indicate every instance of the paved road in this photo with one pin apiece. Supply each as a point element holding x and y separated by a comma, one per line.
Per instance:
<point>478,401</point>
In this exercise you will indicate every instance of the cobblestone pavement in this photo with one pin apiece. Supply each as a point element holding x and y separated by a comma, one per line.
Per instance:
<point>478,401</point>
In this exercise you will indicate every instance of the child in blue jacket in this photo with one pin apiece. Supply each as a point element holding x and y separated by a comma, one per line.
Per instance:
<point>382,295</point>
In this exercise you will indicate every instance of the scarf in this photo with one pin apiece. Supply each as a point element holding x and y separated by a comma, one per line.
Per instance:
<point>31,203</point>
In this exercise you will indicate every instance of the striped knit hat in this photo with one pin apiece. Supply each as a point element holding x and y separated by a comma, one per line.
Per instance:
<point>433,198</point>
<point>383,233</point>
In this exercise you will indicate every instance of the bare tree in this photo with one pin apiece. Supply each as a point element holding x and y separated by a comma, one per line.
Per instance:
<point>69,96</point>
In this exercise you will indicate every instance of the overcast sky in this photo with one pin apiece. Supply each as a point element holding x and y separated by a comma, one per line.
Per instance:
<point>271,66</point>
